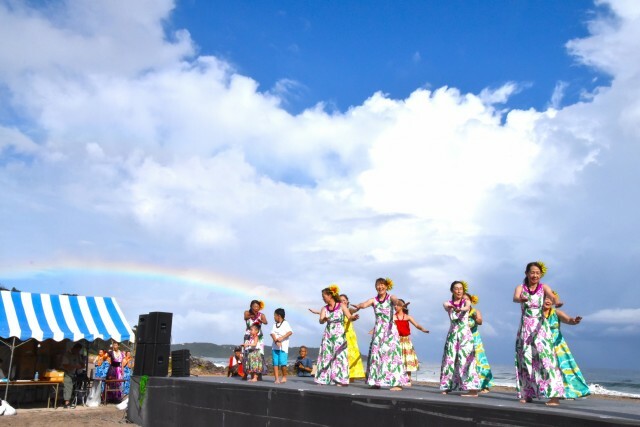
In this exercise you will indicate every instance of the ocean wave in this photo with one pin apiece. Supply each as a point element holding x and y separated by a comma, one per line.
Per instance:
<point>598,389</point>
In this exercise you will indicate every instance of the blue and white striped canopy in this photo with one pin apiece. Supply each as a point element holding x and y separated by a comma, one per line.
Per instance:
<point>40,316</point>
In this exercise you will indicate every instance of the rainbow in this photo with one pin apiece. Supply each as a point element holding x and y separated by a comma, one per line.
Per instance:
<point>229,285</point>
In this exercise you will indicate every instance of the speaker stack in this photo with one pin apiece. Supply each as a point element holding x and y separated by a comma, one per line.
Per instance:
<point>153,344</point>
<point>180,366</point>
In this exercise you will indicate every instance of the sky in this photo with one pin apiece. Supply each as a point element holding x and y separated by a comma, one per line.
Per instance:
<point>192,156</point>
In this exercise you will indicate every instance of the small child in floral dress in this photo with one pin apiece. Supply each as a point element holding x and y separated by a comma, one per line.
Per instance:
<point>252,350</point>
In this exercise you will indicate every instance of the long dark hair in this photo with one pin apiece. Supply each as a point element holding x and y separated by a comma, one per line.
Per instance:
<point>255,301</point>
<point>526,271</point>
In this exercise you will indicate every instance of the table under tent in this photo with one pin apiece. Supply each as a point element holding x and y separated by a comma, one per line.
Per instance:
<point>38,329</point>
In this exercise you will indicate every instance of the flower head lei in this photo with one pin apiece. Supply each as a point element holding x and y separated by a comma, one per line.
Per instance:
<point>543,268</point>
<point>389,283</point>
<point>335,290</point>
<point>261,304</point>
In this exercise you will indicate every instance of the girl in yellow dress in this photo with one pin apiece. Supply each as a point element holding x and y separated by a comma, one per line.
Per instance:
<point>356,370</point>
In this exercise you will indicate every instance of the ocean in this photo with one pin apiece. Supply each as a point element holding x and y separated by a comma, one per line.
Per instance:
<point>610,382</point>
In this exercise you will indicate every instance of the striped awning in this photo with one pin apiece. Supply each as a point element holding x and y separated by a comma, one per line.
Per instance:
<point>41,316</point>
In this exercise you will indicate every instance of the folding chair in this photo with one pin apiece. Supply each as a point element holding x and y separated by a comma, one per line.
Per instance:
<point>80,391</point>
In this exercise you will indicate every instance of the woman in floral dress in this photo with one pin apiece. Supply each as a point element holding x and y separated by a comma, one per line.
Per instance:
<point>333,361</point>
<point>574,383</point>
<point>254,316</point>
<point>385,367</point>
<point>458,371</point>
<point>537,373</point>
<point>482,363</point>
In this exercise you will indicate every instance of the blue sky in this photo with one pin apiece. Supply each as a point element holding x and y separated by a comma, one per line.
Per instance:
<point>192,156</point>
<point>342,52</point>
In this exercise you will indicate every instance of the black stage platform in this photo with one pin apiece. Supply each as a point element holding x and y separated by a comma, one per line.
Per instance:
<point>229,402</point>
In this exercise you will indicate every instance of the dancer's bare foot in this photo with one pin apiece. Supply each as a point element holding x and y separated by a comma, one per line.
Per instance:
<point>485,390</point>
<point>342,385</point>
<point>554,401</point>
<point>253,380</point>
<point>374,387</point>
<point>395,389</point>
<point>277,381</point>
<point>527,400</point>
<point>471,393</point>
<point>282,381</point>
<point>445,392</point>
<point>408,384</point>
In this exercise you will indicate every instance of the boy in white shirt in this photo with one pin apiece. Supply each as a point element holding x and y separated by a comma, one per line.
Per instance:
<point>280,332</point>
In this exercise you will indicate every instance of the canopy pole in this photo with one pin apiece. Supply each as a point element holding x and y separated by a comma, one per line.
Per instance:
<point>6,389</point>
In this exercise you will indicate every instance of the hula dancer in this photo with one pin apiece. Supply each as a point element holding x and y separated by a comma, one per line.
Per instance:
<point>574,383</point>
<point>402,320</point>
<point>254,316</point>
<point>537,373</point>
<point>482,363</point>
<point>458,371</point>
<point>333,362</point>
<point>385,367</point>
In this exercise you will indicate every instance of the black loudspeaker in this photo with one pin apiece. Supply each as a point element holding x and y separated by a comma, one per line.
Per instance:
<point>180,366</point>
<point>138,363</point>
<point>156,360</point>
<point>158,329</point>
<point>141,330</point>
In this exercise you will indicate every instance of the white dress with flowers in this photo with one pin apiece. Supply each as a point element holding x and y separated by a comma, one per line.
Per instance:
<point>537,373</point>
<point>458,370</point>
<point>333,361</point>
<point>385,367</point>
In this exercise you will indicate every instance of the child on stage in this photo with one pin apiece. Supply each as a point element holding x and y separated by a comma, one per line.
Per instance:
<point>402,320</point>
<point>385,367</point>
<point>574,383</point>
<point>254,365</point>
<point>482,363</point>
<point>280,332</point>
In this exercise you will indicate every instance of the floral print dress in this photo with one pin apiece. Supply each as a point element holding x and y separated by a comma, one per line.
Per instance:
<point>537,373</point>
<point>333,361</point>
<point>255,320</point>
<point>574,383</point>
<point>482,363</point>
<point>458,371</point>
<point>385,367</point>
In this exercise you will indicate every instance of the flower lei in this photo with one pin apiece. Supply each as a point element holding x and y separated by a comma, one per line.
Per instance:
<point>389,283</point>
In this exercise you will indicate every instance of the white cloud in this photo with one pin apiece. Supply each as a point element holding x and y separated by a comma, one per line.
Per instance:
<point>558,94</point>
<point>616,316</point>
